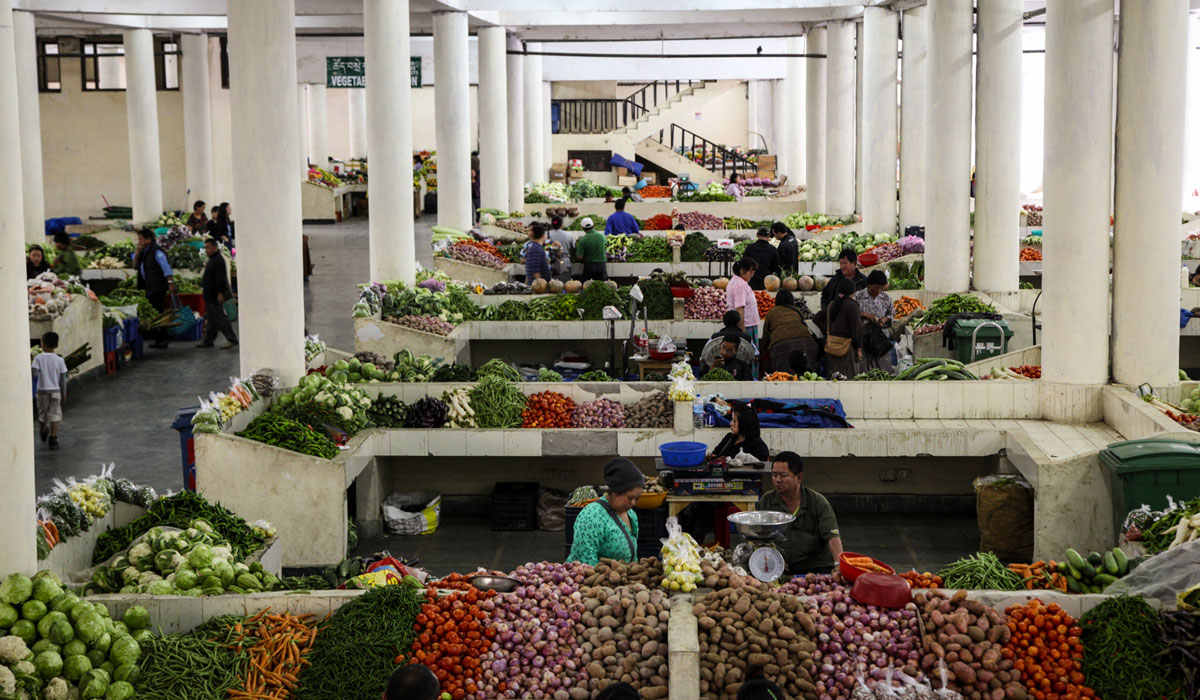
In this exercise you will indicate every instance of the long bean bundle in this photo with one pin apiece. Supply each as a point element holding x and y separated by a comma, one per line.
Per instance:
<point>983,571</point>
<point>497,403</point>
<point>1122,652</point>
<point>187,667</point>
<point>355,652</point>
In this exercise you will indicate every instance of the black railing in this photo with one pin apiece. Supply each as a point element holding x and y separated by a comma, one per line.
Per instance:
<point>705,153</point>
<point>600,116</point>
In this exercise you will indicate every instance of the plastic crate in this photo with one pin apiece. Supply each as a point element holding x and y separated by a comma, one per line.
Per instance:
<point>514,505</point>
<point>187,448</point>
<point>112,339</point>
<point>195,301</point>
<point>195,333</point>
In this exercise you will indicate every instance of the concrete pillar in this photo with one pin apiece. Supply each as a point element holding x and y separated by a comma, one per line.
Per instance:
<point>493,127</point>
<point>1151,104</point>
<point>794,113</point>
<point>859,168</point>
<point>547,140</point>
<point>879,119</point>
<point>998,146</point>
<point>816,72</point>
<point>452,104</point>
<point>516,127</point>
<point>784,130</point>
<point>534,143</point>
<point>754,108</point>
<point>914,99</point>
<point>197,120</point>
<point>389,140</point>
<point>358,122</point>
<point>302,140</point>
<point>262,86</point>
<point>1078,158</point>
<point>34,207</point>
<point>141,100</point>
<point>318,126</point>
<point>839,119</point>
<point>17,551</point>
<point>948,203</point>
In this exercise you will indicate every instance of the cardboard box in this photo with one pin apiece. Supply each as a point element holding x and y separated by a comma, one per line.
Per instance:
<point>766,162</point>
<point>574,175</point>
<point>650,178</point>
<point>626,181</point>
<point>622,172</point>
<point>766,174</point>
<point>750,173</point>
<point>558,172</point>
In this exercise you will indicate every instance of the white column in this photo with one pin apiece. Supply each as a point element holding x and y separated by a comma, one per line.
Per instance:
<point>516,127</point>
<point>141,99</point>
<point>357,106</point>
<point>879,119</point>
<point>998,146</point>
<point>302,140</point>
<point>533,117</point>
<point>1078,158</point>
<point>859,167</point>
<point>1151,103</point>
<point>262,86</point>
<point>948,203</point>
<point>389,140</point>
<point>547,140</point>
<point>31,129</point>
<point>318,126</point>
<point>452,105</point>
<point>754,107</point>
<point>493,124</point>
<point>17,551</point>
<point>197,119</point>
<point>839,119</point>
<point>783,130</point>
<point>794,94</point>
<point>914,99</point>
<point>816,70</point>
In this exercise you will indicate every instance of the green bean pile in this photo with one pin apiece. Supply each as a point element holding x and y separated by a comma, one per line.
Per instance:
<point>983,571</point>
<point>186,667</point>
<point>279,431</point>
<point>1122,655</point>
<point>355,652</point>
<point>497,403</point>
<point>179,511</point>
<point>499,368</point>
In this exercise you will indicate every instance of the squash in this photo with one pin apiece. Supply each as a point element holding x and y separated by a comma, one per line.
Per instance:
<point>538,286</point>
<point>587,284</point>
<point>789,284</point>
<point>574,286</point>
<point>805,284</point>
<point>819,283</point>
<point>556,286</point>
<point>771,283</point>
<point>611,285</point>
<point>720,283</point>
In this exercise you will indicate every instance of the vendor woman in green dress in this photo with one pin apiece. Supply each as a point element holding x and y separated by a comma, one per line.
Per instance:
<point>608,528</point>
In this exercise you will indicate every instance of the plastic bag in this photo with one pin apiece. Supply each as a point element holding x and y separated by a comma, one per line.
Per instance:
<point>1136,523</point>
<point>412,512</point>
<point>681,559</point>
<point>664,344</point>
<point>1162,576</point>
<point>916,689</point>
<point>683,382</point>
<point>861,690</point>
<point>552,510</point>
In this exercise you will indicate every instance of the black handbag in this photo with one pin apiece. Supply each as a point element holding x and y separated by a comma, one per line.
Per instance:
<point>875,341</point>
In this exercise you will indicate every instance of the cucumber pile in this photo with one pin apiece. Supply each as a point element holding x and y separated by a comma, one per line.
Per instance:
<point>939,369</point>
<point>1094,573</point>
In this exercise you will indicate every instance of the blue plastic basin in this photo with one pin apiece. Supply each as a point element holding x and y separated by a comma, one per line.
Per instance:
<point>683,454</point>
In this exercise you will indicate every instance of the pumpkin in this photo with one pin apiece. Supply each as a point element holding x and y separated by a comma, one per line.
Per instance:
<point>819,283</point>
<point>771,283</point>
<point>611,285</point>
<point>805,284</point>
<point>587,284</point>
<point>789,284</point>
<point>574,286</point>
<point>556,286</point>
<point>538,286</point>
<point>720,283</point>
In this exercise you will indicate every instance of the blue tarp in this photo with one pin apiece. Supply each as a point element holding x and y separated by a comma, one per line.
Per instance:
<point>619,161</point>
<point>788,413</point>
<point>59,225</point>
<point>1184,317</point>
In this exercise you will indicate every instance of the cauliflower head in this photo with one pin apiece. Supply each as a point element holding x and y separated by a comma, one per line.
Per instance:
<point>8,683</point>
<point>13,649</point>
<point>56,689</point>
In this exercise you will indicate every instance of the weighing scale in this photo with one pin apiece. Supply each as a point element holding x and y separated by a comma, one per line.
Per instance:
<point>763,529</point>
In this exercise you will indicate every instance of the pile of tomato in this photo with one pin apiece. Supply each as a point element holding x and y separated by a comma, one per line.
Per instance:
<point>766,302</point>
<point>1045,649</point>
<point>1031,371</point>
<point>452,634</point>
<point>548,409</point>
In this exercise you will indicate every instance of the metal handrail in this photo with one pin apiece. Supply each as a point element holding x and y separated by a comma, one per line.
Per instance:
<point>731,162</point>
<point>1003,338</point>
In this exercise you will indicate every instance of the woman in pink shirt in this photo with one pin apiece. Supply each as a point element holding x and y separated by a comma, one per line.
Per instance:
<point>740,298</point>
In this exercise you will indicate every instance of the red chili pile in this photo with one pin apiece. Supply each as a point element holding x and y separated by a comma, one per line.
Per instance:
<point>655,192</point>
<point>548,409</point>
<point>452,633</point>
<point>659,222</point>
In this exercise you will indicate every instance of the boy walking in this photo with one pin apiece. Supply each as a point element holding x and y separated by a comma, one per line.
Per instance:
<point>51,373</point>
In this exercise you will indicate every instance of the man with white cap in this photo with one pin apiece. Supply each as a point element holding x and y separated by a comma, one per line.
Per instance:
<point>591,251</point>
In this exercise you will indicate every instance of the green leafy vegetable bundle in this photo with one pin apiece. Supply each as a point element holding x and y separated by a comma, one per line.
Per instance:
<point>179,511</point>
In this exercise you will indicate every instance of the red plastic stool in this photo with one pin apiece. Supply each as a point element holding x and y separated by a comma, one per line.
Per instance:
<point>110,362</point>
<point>721,524</point>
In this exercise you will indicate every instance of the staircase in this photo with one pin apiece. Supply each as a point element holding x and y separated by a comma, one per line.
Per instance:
<point>681,105</point>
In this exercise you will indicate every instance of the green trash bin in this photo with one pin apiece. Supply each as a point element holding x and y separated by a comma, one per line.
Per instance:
<point>1145,472</point>
<point>987,341</point>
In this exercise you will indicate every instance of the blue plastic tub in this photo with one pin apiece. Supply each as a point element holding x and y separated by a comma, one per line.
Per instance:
<point>683,454</point>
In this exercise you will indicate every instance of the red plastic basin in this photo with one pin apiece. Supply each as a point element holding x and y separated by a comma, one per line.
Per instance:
<point>851,572</point>
<point>884,590</point>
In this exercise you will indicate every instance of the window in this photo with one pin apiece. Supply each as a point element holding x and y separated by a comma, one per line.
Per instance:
<point>593,161</point>
<point>104,63</point>
<point>166,62</point>
<point>49,69</point>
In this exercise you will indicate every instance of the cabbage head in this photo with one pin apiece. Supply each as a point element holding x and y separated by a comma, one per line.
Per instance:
<point>15,589</point>
<point>201,556</point>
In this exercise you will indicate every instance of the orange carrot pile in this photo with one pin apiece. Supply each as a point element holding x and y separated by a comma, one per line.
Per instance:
<point>780,377</point>
<point>1028,254</point>
<point>1040,575</point>
<point>866,564</point>
<point>905,305</point>
<point>276,645</point>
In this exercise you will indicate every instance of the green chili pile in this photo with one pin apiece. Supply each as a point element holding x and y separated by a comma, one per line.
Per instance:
<point>356,650</point>
<point>982,571</point>
<point>188,667</point>
<point>179,511</point>
<point>497,403</point>
<point>1122,655</point>
<point>280,431</point>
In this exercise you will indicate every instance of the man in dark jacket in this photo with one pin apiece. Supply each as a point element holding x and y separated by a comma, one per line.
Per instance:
<point>154,275</point>
<point>847,267</point>
<point>215,284</point>
<point>763,253</point>
<point>789,247</point>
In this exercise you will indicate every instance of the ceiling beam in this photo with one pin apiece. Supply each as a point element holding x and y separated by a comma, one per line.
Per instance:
<point>722,30</point>
<point>589,17</point>
<point>520,6</point>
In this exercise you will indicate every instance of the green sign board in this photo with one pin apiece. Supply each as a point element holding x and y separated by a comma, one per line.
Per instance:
<point>351,71</point>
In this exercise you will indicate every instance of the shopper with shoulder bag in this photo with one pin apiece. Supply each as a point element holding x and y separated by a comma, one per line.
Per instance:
<point>842,322</point>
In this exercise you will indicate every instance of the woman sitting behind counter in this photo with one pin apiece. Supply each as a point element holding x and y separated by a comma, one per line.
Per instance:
<point>608,528</point>
<point>745,435</point>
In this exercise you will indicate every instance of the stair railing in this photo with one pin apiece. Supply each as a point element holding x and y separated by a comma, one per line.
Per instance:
<point>689,143</point>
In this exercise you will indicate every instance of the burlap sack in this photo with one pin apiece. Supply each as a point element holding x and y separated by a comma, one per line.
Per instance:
<point>1004,510</point>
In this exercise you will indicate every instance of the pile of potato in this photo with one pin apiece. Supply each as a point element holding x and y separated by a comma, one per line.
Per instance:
<point>968,638</point>
<point>722,575</point>
<point>654,410</point>
<point>745,631</point>
<point>613,573</point>
<point>623,635</point>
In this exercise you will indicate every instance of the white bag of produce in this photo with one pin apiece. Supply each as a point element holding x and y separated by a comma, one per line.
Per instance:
<point>1162,576</point>
<point>412,512</point>
<point>681,559</point>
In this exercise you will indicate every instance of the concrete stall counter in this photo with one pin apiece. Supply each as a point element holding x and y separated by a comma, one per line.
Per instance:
<point>81,322</point>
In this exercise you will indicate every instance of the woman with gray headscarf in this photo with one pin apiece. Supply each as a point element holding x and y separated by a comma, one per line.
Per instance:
<point>608,528</point>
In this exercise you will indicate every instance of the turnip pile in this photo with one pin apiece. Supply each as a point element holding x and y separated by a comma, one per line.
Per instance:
<point>624,633</point>
<point>745,631</point>
<point>857,639</point>
<point>654,410</point>
<point>601,413</point>
<point>968,637</point>
<point>612,573</point>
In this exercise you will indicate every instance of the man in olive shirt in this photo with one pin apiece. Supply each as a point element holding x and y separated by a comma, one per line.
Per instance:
<point>812,541</point>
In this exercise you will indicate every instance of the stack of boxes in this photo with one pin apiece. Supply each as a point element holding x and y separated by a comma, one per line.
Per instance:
<point>766,168</point>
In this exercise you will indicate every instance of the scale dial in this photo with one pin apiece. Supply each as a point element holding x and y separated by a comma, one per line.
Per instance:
<point>766,564</point>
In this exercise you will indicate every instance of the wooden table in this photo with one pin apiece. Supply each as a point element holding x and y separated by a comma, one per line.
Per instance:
<point>675,504</point>
<point>646,364</point>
